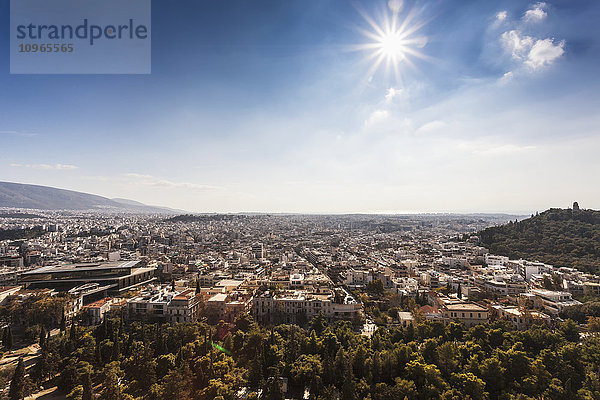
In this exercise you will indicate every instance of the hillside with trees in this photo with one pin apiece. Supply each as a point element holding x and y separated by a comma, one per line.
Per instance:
<point>563,238</point>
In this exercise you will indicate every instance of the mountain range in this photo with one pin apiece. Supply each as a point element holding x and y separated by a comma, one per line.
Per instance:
<point>18,195</point>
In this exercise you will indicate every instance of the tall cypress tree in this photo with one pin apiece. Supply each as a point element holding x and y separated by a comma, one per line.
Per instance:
<point>4,336</point>
<point>9,339</point>
<point>87,387</point>
<point>18,382</point>
<point>63,323</point>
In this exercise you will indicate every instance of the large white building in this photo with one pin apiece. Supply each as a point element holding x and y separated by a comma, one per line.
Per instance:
<point>552,301</point>
<point>160,303</point>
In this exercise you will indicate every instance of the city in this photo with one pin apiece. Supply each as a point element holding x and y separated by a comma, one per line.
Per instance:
<point>299,200</point>
<point>375,273</point>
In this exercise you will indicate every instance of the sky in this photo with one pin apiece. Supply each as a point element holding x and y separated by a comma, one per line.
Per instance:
<point>281,106</point>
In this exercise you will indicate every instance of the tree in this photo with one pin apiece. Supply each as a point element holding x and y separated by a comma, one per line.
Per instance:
<point>111,386</point>
<point>305,367</point>
<point>20,384</point>
<point>318,323</point>
<point>7,338</point>
<point>569,330</point>
<point>447,358</point>
<point>593,324</point>
<point>63,323</point>
<point>87,387</point>
<point>376,287</point>
<point>43,335</point>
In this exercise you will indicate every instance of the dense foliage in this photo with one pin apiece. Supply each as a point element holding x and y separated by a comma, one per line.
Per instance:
<point>196,361</point>
<point>20,215</point>
<point>16,234</point>
<point>563,238</point>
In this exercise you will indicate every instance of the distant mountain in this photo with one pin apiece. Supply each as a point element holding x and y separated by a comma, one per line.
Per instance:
<point>563,238</point>
<point>17,195</point>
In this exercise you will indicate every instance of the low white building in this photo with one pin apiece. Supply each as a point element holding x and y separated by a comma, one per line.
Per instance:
<point>553,302</point>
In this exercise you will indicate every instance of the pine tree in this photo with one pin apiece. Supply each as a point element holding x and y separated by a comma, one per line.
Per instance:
<point>116,350</point>
<point>18,383</point>
<point>87,387</point>
<point>9,339</point>
<point>43,336</point>
<point>4,336</point>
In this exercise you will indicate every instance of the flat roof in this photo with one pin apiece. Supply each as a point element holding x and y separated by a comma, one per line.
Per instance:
<point>83,267</point>
<point>218,297</point>
<point>405,315</point>
<point>465,307</point>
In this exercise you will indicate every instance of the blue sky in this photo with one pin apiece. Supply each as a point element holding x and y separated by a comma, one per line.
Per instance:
<point>274,106</point>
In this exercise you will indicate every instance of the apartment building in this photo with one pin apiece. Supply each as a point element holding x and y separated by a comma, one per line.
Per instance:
<point>162,304</point>
<point>553,302</point>
<point>521,319</point>
<point>470,314</point>
<point>294,306</point>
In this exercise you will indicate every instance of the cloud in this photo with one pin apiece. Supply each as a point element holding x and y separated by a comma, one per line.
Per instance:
<point>544,52</point>
<point>377,116</point>
<point>432,126</point>
<point>535,53</point>
<point>60,167</point>
<point>501,16</point>
<point>507,77</point>
<point>149,180</point>
<point>391,93</point>
<point>142,176</point>
<point>395,6</point>
<point>536,13</point>
<point>491,149</point>
<point>506,149</point>
<point>518,45</point>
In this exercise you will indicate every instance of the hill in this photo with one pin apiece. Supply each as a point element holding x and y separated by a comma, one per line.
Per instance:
<point>563,238</point>
<point>17,195</point>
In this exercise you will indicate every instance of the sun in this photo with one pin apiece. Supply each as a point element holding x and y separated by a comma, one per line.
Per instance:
<point>392,46</point>
<point>395,41</point>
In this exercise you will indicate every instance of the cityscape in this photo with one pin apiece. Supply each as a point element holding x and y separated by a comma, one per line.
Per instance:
<point>336,285</point>
<point>299,200</point>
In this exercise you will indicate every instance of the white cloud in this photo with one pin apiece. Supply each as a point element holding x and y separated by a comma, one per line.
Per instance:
<point>535,53</point>
<point>518,45</point>
<point>506,149</point>
<point>395,6</point>
<point>536,13</point>
<point>501,16</point>
<point>391,93</point>
<point>141,176</point>
<point>149,180</point>
<point>61,167</point>
<point>491,149</point>
<point>432,126</point>
<point>544,52</point>
<point>377,116</point>
<point>507,77</point>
